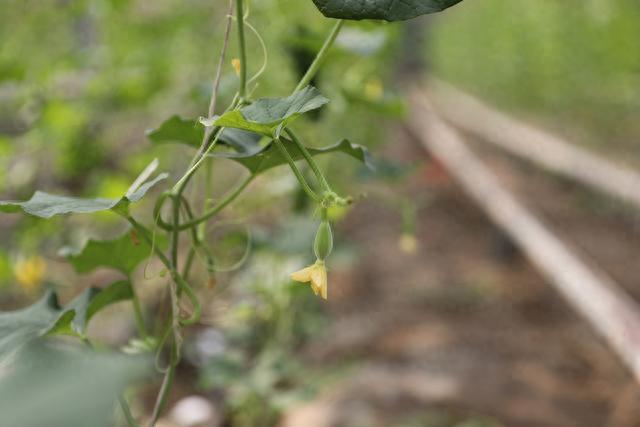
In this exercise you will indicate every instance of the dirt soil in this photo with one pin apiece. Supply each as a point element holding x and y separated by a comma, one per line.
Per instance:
<point>465,328</point>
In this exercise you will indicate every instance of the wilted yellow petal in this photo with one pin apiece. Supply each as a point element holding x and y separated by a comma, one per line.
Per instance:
<point>303,275</point>
<point>315,275</point>
<point>319,279</point>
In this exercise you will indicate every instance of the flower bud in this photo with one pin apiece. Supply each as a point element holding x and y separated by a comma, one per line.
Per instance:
<point>324,240</point>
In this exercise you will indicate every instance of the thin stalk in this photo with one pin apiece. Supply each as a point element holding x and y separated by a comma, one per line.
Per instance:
<point>321,56</point>
<point>131,421</point>
<point>296,171</point>
<point>312,163</point>
<point>216,81</point>
<point>137,310</point>
<point>242,91</point>
<point>165,387</point>
<point>142,230</point>
<point>188,264</point>
<point>179,187</point>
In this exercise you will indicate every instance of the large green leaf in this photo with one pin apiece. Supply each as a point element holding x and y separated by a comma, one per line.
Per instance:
<point>191,132</point>
<point>259,158</point>
<point>54,385</point>
<point>45,205</point>
<point>389,10</point>
<point>123,254</point>
<point>266,114</point>
<point>46,316</point>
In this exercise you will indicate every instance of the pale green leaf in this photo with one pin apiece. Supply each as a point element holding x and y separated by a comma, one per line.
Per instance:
<point>266,114</point>
<point>55,385</point>
<point>45,205</point>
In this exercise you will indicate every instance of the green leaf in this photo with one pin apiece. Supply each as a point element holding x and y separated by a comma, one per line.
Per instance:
<point>45,205</point>
<point>88,303</point>
<point>389,10</point>
<point>21,326</point>
<point>266,114</point>
<point>54,385</point>
<point>122,254</point>
<point>178,130</point>
<point>191,132</point>
<point>47,317</point>
<point>261,158</point>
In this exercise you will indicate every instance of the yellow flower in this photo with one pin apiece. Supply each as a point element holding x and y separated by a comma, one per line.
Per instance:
<point>316,274</point>
<point>235,63</point>
<point>29,272</point>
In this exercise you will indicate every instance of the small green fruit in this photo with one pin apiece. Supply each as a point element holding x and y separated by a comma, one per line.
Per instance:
<point>324,241</point>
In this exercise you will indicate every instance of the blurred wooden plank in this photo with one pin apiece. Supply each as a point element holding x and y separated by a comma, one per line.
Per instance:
<point>607,307</point>
<point>520,139</point>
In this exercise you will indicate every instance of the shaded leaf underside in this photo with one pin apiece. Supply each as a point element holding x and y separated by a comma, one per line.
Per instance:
<point>388,10</point>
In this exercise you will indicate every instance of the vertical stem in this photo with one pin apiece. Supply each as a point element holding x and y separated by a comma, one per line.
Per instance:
<point>165,388</point>
<point>312,163</point>
<point>131,421</point>
<point>242,91</point>
<point>296,171</point>
<point>137,310</point>
<point>320,57</point>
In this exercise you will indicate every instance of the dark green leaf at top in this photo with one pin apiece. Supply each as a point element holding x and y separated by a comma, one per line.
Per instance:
<point>261,158</point>
<point>389,10</point>
<point>266,114</point>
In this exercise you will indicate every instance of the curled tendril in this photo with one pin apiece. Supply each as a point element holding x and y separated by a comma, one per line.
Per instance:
<point>154,233</point>
<point>265,54</point>
<point>245,254</point>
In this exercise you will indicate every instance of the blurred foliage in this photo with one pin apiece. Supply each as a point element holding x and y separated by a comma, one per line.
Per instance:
<point>574,61</point>
<point>81,81</point>
<point>255,360</point>
<point>73,373</point>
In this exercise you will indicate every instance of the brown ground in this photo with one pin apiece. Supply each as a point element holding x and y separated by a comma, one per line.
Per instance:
<point>466,327</point>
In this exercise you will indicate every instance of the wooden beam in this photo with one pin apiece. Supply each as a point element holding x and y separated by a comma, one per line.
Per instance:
<point>606,306</point>
<point>521,139</point>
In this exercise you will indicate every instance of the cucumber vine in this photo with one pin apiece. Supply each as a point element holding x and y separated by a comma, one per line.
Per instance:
<point>257,134</point>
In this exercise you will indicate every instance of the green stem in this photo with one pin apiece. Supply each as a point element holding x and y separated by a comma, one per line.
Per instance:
<point>211,212</point>
<point>137,310</point>
<point>142,231</point>
<point>321,56</point>
<point>165,388</point>
<point>294,168</point>
<point>179,187</point>
<point>188,264</point>
<point>131,421</point>
<point>242,91</point>
<point>312,163</point>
